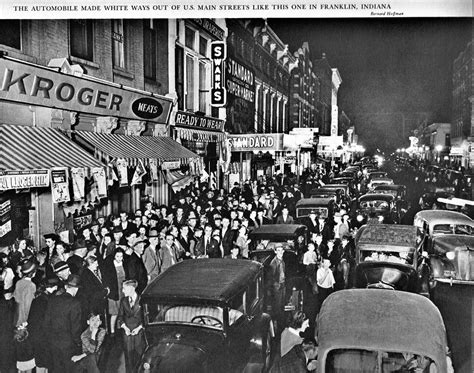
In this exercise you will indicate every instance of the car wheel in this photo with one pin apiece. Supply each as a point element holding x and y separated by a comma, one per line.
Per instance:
<point>267,351</point>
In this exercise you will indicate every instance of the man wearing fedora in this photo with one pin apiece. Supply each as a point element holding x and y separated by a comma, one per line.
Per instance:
<point>150,257</point>
<point>62,325</point>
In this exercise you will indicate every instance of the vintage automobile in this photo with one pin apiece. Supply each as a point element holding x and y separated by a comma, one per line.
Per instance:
<point>379,181</point>
<point>389,256</point>
<point>382,205</point>
<point>341,192</point>
<point>372,175</point>
<point>361,330</point>
<point>452,258</point>
<point>398,191</point>
<point>440,222</point>
<point>206,315</point>
<point>264,239</point>
<point>323,206</point>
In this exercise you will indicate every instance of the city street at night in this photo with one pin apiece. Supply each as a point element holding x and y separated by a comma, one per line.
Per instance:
<point>214,195</point>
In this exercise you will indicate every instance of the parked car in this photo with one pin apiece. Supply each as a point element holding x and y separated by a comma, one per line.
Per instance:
<point>389,256</point>
<point>382,205</point>
<point>361,330</point>
<point>323,206</point>
<point>398,191</point>
<point>264,239</point>
<point>379,181</point>
<point>206,315</point>
<point>339,192</point>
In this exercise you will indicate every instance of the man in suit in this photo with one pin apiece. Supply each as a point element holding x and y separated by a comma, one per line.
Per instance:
<point>150,257</point>
<point>312,223</point>
<point>261,219</point>
<point>186,242</point>
<point>136,268</point>
<point>130,320</point>
<point>207,247</point>
<point>285,217</point>
<point>278,287</point>
<point>169,252</point>
<point>96,238</point>
<point>93,292</point>
<point>227,236</point>
<point>62,324</point>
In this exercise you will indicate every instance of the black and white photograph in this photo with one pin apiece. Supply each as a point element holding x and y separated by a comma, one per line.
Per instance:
<point>236,187</point>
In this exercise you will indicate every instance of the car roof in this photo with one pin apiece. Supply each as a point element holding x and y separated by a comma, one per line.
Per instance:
<point>213,281</point>
<point>308,202</point>
<point>444,217</point>
<point>387,234</point>
<point>269,231</point>
<point>376,196</point>
<point>379,319</point>
<point>389,187</point>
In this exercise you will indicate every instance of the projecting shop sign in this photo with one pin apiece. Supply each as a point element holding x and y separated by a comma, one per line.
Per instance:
<point>256,142</point>
<point>184,119</point>
<point>218,55</point>
<point>41,86</point>
<point>24,179</point>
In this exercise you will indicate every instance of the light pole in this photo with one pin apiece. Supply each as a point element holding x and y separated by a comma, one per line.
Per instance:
<point>438,149</point>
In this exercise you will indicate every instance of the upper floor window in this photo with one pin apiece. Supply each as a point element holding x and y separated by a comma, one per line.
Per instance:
<point>81,39</point>
<point>149,50</point>
<point>10,33</point>
<point>118,43</point>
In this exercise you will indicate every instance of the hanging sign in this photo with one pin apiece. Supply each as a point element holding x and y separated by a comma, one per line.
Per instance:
<point>59,185</point>
<point>170,165</point>
<point>218,55</point>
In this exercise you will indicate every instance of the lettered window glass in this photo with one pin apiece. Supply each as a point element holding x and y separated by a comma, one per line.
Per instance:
<point>118,43</point>
<point>81,39</point>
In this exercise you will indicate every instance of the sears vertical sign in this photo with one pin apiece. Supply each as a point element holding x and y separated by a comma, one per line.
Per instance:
<point>218,56</point>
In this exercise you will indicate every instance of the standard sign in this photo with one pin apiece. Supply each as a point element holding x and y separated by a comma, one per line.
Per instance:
<point>256,142</point>
<point>36,85</point>
<point>24,179</point>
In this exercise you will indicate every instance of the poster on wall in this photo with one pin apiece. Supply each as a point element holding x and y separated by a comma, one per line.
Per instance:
<point>78,176</point>
<point>122,171</point>
<point>100,181</point>
<point>60,185</point>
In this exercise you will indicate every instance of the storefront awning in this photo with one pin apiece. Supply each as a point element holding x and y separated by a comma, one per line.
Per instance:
<point>134,148</point>
<point>32,148</point>
<point>199,135</point>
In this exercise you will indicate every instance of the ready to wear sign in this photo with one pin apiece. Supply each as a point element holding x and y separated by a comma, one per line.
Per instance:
<point>42,86</point>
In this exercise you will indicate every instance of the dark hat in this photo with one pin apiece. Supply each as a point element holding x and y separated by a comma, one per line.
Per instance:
<point>52,236</point>
<point>27,266</point>
<point>50,282</point>
<point>74,281</point>
<point>59,266</point>
<point>117,229</point>
<point>79,244</point>
<point>94,222</point>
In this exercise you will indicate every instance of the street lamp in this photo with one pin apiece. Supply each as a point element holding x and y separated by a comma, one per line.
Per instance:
<point>438,149</point>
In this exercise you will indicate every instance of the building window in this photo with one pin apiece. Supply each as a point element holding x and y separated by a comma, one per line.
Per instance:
<point>149,50</point>
<point>10,33</point>
<point>179,69</point>
<point>118,43</point>
<point>194,73</point>
<point>81,39</point>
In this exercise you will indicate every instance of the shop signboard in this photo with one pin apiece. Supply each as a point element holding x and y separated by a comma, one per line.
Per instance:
<point>82,221</point>
<point>5,209</point>
<point>189,120</point>
<point>170,165</point>
<point>24,179</point>
<point>256,142</point>
<point>240,87</point>
<point>37,85</point>
<point>5,228</point>
<point>218,56</point>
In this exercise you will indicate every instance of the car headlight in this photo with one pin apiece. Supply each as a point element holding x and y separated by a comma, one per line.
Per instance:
<point>360,218</point>
<point>380,218</point>
<point>450,255</point>
<point>146,366</point>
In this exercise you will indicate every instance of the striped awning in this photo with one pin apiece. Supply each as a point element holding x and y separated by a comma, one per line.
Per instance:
<point>134,148</point>
<point>32,148</point>
<point>199,135</point>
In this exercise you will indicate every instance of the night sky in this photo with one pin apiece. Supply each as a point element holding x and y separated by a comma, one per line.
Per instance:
<point>391,69</point>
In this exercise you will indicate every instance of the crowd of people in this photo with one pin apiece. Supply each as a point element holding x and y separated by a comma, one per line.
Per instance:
<point>59,302</point>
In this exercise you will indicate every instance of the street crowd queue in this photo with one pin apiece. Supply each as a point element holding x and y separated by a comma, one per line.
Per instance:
<point>59,302</point>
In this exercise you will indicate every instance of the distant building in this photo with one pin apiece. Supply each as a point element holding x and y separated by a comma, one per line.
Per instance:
<point>462,136</point>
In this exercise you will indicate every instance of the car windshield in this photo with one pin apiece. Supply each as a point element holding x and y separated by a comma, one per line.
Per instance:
<point>270,245</point>
<point>402,257</point>
<point>453,229</point>
<point>362,361</point>
<point>203,315</point>
<point>304,211</point>
<point>376,204</point>
<point>386,191</point>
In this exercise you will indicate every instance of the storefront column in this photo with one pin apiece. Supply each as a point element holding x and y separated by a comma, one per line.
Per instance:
<point>258,89</point>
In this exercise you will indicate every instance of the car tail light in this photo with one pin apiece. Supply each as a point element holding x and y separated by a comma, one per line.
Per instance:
<point>450,255</point>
